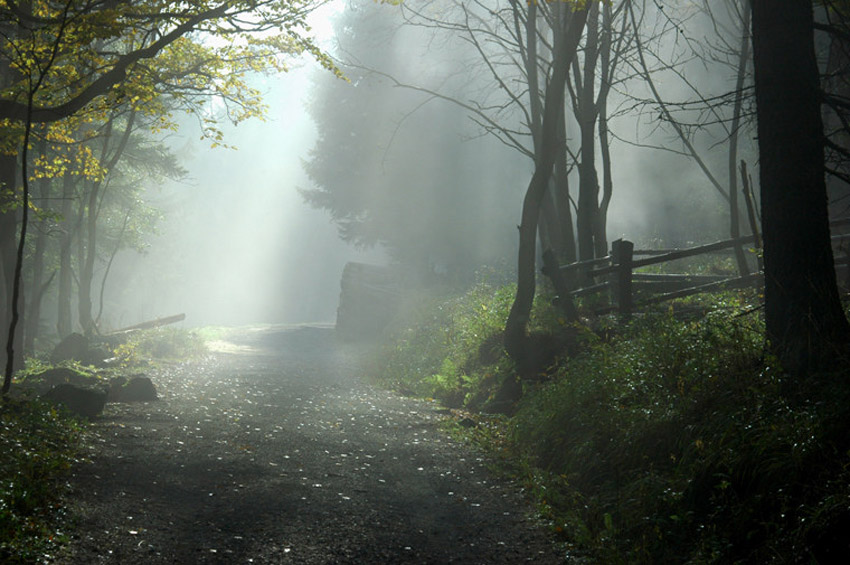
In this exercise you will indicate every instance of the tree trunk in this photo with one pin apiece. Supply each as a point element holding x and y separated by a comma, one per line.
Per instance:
<point>734,208</point>
<point>562,193</point>
<point>588,190</point>
<point>804,320</point>
<point>565,50</point>
<point>87,264</point>
<point>8,255</point>
<point>65,321</point>
<point>606,72</point>
<point>37,269</point>
<point>36,283</point>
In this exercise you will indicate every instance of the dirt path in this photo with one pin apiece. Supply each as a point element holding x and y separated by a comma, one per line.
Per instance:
<point>275,453</point>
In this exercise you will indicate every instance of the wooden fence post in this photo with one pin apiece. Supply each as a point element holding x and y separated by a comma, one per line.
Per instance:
<point>621,257</point>
<point>552,270</point>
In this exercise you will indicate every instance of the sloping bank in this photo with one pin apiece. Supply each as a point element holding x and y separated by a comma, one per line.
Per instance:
<point>664,440</point>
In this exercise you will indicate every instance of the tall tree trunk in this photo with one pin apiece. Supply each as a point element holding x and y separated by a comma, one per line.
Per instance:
<point>548,228</point>
<point>588,190</point>
<point>14,351</point>
<point>87,263</point>
<point>8,239</point>
<point>606,71</point>
<point>804,320</point>
<point>93,212</point>
<point>37,280</point>
<point>562,193</point>
<point>65,320</point>
<point>570,30</point>
<point>31,325</point>
<point>734,208</point>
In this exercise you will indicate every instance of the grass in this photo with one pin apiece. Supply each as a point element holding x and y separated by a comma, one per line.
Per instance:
<point>662,440</point>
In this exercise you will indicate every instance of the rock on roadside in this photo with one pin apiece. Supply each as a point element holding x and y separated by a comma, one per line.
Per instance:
<point>78,400</point>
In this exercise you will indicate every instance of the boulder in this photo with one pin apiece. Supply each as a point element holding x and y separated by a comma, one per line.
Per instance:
<point>73,347</point>
<point>77,347</point>
<point>82,401</point>
<point>137,389</point>
<point>46,380</point>
<point>116,385</point>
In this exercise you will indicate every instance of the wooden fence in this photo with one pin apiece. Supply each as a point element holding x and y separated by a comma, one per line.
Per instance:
<point>616,272</point>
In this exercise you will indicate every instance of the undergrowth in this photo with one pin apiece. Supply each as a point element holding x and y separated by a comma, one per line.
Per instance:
<point>38,444</point>
<point>664,440</point>
<point>451,349</point>
<point>158,344</point>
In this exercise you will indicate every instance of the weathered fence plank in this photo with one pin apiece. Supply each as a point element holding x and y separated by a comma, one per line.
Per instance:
<point>619,276</point>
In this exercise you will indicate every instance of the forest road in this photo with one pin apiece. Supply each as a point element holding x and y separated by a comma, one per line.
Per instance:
<point>274,451</point>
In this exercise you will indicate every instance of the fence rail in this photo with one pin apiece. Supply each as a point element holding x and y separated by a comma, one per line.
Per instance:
<point>616,274</point>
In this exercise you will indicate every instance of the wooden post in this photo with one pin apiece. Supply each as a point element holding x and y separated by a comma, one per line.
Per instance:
<point>621,257</point>
<point>746,187</point>
<point>564,300</point>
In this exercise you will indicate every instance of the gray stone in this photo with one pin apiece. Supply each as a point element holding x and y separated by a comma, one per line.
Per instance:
<point>82,401</point>
<point>73,347</point>
<point>138,389</point>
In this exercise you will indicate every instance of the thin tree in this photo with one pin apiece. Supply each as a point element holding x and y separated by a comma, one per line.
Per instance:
<point>35,77</point>
<point>565,50</point>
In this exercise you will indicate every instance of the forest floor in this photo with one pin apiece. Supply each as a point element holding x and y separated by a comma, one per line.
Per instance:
<point>273,450</point>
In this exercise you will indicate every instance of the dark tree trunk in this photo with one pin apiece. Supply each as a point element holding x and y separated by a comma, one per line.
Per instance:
<point>8,254</point>
<point>36,283</point>
<point>588,189</point>
<point>565,49</point>
<point>87,263</point>
<point>37,270</point>
<point>65,321</point>
<point>562,193</point>
<point>804,320</point>
<point>606,72</point>
<point>734,208</point>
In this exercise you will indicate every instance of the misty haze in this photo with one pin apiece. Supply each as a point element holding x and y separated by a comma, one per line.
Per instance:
<point>425,281</point>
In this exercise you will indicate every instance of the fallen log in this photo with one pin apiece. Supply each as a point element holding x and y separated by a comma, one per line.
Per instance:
<point>152,324</point>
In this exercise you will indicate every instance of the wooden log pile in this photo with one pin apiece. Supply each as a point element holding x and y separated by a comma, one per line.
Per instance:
<point>369,297</point>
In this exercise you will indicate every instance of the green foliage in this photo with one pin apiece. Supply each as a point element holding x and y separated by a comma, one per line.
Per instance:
<point>674,442</point>
<point>625,424</point>
<point>159,344</point>
<point>449,349</point>
<point>38,446</point>
<point>666,440</point>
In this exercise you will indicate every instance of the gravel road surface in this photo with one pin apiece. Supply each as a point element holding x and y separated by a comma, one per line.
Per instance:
<point>272,450</point>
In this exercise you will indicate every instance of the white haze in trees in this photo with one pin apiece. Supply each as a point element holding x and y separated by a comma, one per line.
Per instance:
<point>236,243</point>
<point>239,245</point>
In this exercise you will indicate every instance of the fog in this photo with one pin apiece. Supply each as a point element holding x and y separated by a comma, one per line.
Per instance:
<point>238,244</point>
